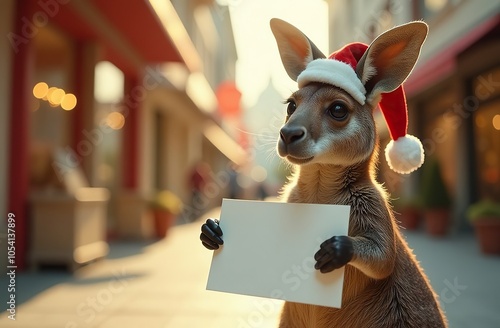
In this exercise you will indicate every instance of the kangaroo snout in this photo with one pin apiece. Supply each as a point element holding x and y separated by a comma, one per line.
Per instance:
<point>292,134</point>
<point>294,144</point>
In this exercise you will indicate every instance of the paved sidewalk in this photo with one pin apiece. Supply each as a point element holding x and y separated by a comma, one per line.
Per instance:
<point>162,284</point>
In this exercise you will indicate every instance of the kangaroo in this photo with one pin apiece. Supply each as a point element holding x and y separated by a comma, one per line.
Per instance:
<point>329,135</point>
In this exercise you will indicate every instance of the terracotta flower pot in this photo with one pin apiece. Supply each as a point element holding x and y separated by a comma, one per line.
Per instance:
<point>437,221</point>
<point>488,233</point>
<point>163,220</point>
<point>409,218</point>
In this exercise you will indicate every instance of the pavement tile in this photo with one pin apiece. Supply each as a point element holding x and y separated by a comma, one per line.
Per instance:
<point>152,305</point>
<point>47,320</point>
<point>134,321</point>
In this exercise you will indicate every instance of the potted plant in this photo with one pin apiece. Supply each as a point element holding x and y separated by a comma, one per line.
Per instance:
<point>485,218</point>
<point>165,206</point>
<point>408,212</point>
<point>435,200</point>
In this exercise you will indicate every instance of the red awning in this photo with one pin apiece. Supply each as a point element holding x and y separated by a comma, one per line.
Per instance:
<point>133,22</point>
<point>443,63</point>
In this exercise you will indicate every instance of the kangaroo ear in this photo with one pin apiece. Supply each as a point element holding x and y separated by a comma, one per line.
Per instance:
<point>390,58</point>
<point>296,50</point>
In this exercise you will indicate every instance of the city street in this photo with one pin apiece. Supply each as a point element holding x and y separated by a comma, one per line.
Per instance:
<point>162,284</point>
<point>124,124</point>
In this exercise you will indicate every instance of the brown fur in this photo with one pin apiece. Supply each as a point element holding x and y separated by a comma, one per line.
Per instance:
<point>384,286</point>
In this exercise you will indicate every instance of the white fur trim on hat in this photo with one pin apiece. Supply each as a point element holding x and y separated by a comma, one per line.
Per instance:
<point>334,72</point>
<point>404,155</point>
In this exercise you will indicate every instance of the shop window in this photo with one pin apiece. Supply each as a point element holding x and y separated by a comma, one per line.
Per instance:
<point>487,133</point>
<point>487,145</point>
<point>487,85</point>
<point>108,84</point>
<point>440,135</point>
<point>441,143</point>
<point>109,119</point>
<point>52,90</point>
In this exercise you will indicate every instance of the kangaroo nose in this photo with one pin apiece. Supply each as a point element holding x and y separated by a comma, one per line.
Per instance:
<point>291,134</point>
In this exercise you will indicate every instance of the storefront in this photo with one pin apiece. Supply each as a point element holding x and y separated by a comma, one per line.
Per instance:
<point>54,51</point>
<point>454,105</point>
<point>486,134</point>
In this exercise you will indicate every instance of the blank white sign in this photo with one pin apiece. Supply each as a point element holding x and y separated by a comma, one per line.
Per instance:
<point>269,251</point>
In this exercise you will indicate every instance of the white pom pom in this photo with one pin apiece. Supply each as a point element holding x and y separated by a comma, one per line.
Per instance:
<point>404,155</point>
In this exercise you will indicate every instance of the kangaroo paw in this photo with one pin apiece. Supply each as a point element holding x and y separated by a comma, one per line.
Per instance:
<point>211,234</point>
<point>334,253</point>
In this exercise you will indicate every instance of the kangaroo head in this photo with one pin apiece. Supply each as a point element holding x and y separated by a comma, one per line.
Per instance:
<point>330,117</point>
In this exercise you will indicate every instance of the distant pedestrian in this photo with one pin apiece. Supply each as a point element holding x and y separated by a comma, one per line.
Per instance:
<point>198,179</point>
<point>234,187</point>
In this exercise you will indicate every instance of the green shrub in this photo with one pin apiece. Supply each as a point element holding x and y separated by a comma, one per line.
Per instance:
<point>167,201</point>
<point>433,192</point>
<point>485,208</point>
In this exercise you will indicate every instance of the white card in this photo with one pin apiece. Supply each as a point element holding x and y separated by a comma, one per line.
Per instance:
<point>269,251</point>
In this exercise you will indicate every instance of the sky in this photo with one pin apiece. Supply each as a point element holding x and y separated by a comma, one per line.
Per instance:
<point>258,56</point>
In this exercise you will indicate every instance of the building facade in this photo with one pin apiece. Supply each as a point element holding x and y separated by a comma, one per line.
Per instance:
<point>61,61</point>
<point>452,94</point>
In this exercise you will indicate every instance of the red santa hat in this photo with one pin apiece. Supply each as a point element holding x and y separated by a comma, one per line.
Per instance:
<point>404,153</point>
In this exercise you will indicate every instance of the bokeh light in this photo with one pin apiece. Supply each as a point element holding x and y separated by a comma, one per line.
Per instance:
<point>56,96</point>
<point>258,173</point>
<point>68,102</point>
<point>115,120</point>
<point>40,90</point>
<point>49,93</point>
<point>496,122</point>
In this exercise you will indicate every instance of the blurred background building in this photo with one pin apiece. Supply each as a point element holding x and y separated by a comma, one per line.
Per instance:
<point>453,93</point>
<point>113,95</point>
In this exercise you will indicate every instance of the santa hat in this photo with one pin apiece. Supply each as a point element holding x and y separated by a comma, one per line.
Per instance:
<point>404,153</point>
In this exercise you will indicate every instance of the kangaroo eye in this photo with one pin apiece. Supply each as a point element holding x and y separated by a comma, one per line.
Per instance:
<point>338,111</point>
<point>292,106</point>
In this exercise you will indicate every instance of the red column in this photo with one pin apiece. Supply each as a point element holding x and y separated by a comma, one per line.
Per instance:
<point>83,133</point>
<point>134,94</point>
<point>78,119</point>
<point>19,131</point>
